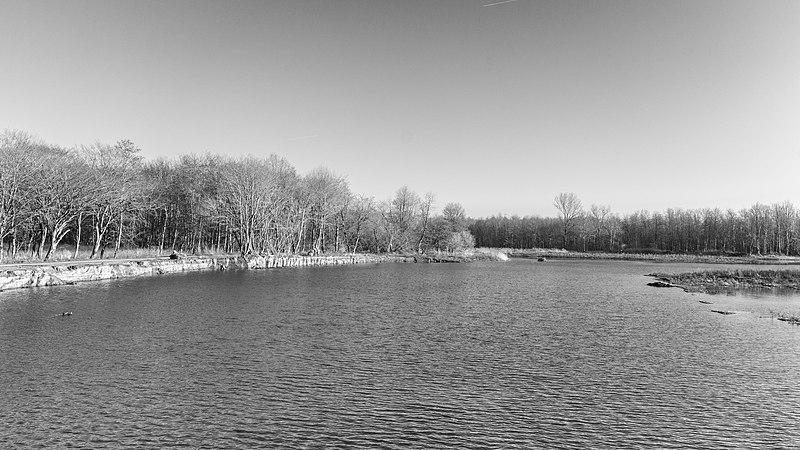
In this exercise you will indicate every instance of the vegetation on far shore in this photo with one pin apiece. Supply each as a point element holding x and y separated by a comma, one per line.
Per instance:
<point>108,198</point>
<point>762,229</point>
<point>719,281</point>
<point>56,202</point>
<point>654,257</point>
<point>713,280</point>
<point>83,255</point>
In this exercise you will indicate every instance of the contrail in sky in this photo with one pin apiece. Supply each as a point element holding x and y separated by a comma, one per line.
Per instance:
<point>499,3</point>
<point>302,137</point>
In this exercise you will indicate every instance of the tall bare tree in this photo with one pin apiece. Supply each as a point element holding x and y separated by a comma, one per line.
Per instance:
<point>570,210</point>
<point>114,187</point>
<point>328,194</point>
<point>455,215</point>
<point>16,152</point>
<point>399,215</point>
<point>598,214</point>
<point>424,218</point>
<point>59,193</point>
<point>256,203</point>
<point>245,194</point>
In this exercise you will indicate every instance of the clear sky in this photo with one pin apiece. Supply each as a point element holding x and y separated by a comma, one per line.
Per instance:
<point>637,104</point>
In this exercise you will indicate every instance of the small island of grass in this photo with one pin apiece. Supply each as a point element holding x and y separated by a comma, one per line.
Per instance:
<point>716,281</point>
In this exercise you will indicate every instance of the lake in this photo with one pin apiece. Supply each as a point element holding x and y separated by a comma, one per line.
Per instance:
<point>517,354</point>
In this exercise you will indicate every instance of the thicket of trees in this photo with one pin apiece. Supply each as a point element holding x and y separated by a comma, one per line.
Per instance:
<point>106,197</point>
<point>760,229</point>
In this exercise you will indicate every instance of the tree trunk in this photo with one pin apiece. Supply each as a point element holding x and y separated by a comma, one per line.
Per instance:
<point>219,237</point>
<point>78,236</point>
<point>52,247</point>
<point>98,238</point>
<point>336,240</point>
<point>174,237</point>
<point>40,247</point>
<point>119,237</point>
<point>163,232</point>
<point>302,230</point>
<point>56,235</point>
<point>320,240</point>
<point>199,236</point>
<point>422,234</point>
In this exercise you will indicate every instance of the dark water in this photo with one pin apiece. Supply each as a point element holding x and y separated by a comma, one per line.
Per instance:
<point>563,354</point>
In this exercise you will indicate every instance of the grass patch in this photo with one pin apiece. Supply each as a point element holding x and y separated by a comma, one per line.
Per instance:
<point>650,255</point>
<point>770,278</point>
<point>68,254</point>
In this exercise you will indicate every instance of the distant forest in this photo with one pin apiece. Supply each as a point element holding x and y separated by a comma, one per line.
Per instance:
<point>760,229</point>
<point>93,200</point>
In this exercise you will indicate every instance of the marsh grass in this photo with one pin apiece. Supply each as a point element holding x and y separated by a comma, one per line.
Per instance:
<point>754,277</point>
<point>655,257</point>
<point>68,254</point>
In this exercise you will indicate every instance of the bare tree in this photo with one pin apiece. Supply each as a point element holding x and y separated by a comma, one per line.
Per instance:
<point>598,214</point>
<point>401,216</point>
<point>328,194</point>
<point>59,193</point>
<point>358,214</point>
<point>16,151</point>
<point>570,209</point>
<point>455,215</point>
<point>244,200</point>
<point>258,204</point>
<point>424,213</point>
<point>113,188</point>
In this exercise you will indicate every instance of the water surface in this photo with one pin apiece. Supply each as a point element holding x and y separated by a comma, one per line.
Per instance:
<point>568,354</point>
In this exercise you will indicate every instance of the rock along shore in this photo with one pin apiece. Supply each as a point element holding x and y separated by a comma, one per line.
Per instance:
<point>57,274</point>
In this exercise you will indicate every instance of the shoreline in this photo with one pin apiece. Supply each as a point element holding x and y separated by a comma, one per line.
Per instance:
<point>713,281</point>
<point>721,281</point>
<point>29,275</point>
<point>60,273</point>
<point>664,258</point>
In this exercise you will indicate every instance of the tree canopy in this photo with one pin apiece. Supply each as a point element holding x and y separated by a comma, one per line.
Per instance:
<point>106,196</point>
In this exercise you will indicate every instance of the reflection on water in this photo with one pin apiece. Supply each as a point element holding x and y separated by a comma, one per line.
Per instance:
<point>567,354</point>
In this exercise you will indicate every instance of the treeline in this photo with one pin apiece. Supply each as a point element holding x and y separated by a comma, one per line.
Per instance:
<point>760,229</point>
<point>107,197</point>
<point>101,198</point>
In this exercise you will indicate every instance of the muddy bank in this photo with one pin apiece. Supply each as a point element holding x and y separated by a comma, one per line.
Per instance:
<point>722,281</point>
<point>26,276</point>
<point>712,281</point>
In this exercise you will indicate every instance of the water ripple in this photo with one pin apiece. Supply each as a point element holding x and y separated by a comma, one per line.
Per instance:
<point>518,355</point>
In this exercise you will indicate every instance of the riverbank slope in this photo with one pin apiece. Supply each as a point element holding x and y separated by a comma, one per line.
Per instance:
<point>17,276</point>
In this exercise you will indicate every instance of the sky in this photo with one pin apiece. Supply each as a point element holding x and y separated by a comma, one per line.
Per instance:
<point>499,106</point>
